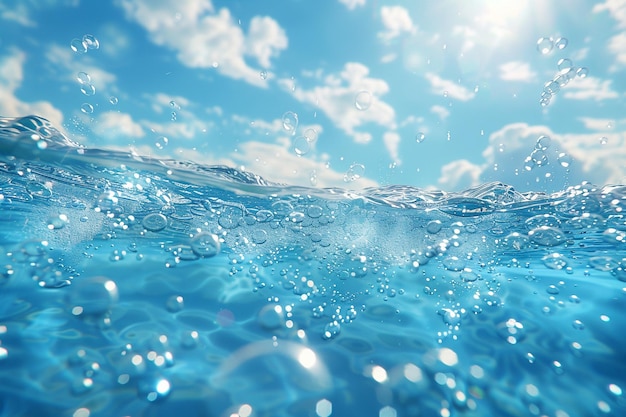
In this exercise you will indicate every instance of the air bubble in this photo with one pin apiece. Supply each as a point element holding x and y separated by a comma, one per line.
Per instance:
<point>355,172</point>
<point>420,137</point>
<point>538,158</point>
<point>433,226</point>
<point>512,331</point>
<point>90,42</point>
<point>301,145</point>
<point>92,296</point>
<point>604,140</point>
<point>331,330</point>
<point>543,143</point>
<point>310,135</point>
<point>290,122</point>
<point>554,261</point>
<point>545,45</point>
<point>271,317</point>
<point>113,100</point>
<point>565,160</point>
<point>551,87</point>
<point>259,236</point>
<point>205,245</point>
<point>175,303</point>
<point>57,222</point>
<point>564,65</point>
<point>86,108</point>
<point>363,100</point>
<point>161,142</point>
<point>78,46</point>
<point>88,89</point>
<point>561,43</point>
<point>154,222</point>
<point>546,236</point>
<point>83,78</point>
<point>263,75</point>
<point>582,72</point>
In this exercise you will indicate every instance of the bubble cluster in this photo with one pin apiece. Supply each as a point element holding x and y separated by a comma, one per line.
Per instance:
<point>83,45</point>
<point>566,70</point>
<point>290,122</point>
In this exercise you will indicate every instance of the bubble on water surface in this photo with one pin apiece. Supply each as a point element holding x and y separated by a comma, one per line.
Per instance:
<point>546,236</point>
<point>363,100</point>
<point>205,245</point>
<point>554,261</point>
<point>545,45</point>
<point>92,296</point>
<point>154,222</point>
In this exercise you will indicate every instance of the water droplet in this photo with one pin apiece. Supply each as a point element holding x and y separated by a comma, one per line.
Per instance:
<point>83,78</point>
<point>113,100</point>
<point>263,75</point>
<point>161,142</point>
<point>420,137</point>
<point>564,65</point>
<point>578,325</point>
<point>543,143</point>
<point>565,160</point>
<point>205,244</point>
<point>78,46</point>
<point>604,140</point>
<point>290,122</point>
<point>582,72</point>
<point>88,89</point>
<point>91,42</point>
<point>301,145</point>
<point>86,108</point>
<point>154,222</point>
<point>363,100</point>
<point>545,45</point>
<point>355,172</point>
<point>561,43</point>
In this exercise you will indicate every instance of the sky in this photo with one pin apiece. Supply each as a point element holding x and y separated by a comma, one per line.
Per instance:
<point>333,93</point>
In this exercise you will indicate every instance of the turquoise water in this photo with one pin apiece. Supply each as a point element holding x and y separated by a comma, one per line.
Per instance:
<point>132,286</point>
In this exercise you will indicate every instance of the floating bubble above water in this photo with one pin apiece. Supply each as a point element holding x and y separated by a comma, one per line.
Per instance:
<point>78,46</point>
<point>561,43</point>
<point>564,65</point>
<point>205,245</point>
<point>263,75</point>
<point>310,135</point>
<point>290,122</point>
<point>545,45</point>
<point>543,143</point>
<point>565,160</point>
<point>539,157</point>
<point>363,100</point>
<point>551,87</point>
<point>113,100</point>
<point>420,137</point>
<point>582,72</point>
<point>90,42</point>
<point>88,89</point>
<point>355,172</point>
<point>604,140</point>
<point>161,142</point>
<point>301,145</point>
<point>86,108</point>
<point>83,78</point>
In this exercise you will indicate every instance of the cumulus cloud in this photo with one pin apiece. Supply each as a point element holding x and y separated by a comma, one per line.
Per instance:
<point>397,21</point>
<point>590,88</point>
<point>204,38</point>
<point>112,124</point>
<point>517,71</point>
<point>352,4</point>
<point>11,77</point>
<point>440,86</point>
<point>459,175</point>
<point>392,141</point>
<point>339,95</point>
<point>440,111</point>
<point>65,64</point>
<point>616,8</point>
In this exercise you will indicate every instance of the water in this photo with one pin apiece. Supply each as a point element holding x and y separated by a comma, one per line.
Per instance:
<point>132,286</point>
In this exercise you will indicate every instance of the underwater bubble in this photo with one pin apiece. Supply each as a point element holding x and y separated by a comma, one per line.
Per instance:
<point>434,226</point>
<point>263,75</point>
<point>564,65</point>
<point>331,330</point>
<point>512,331</point>
<point>565,160</point>
<point>83,78</point>
<point>37,189</point>
<point>290,122</point>
<point>154,222</point>
<point>451,317</point>
<point>91,42</point>
<point>554,261</point>
<point>57,222</point>
<point>175,303</point>
<point>314,211</point>
<point>468,275</point>
<point>205,244</point>
<point>113,100</point>
<point>259,236</point>
<point>263,216</point>
<point>543,143</point>
<point>310,135</point>
<point>363,100</point>
<point>301,145</point>
<point>420,137</point>
<point>578,325</point>
<point>560,43</point>
<point>78,46</point>
<point>582,72</point>
<point>88,89</point>
<point>153,389</point>
<point>86,108</point>
<point>454,263</point>
<point>324,408</point>
<point>545,45</point>
<point>546,236</point>
<point>271,317</point>
<point>92,296</point>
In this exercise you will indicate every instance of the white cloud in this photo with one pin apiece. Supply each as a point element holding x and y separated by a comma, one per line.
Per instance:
<point>616,8</point>
<point>113,125</point>
<point>440,86</point>
<point>352,4</point>
<point>397,21</point>
<point>64,60</point>
<point>204,39</point>
<point>617,46</point>
<point>18,13</point>
<point>589,88</point>
<point>440,111</point>
<point>598,124</point>
<point>11,77</point>
<point>336,98</point>
<point>459,175</point>
<point>517,71</point>
<point>392,141</point>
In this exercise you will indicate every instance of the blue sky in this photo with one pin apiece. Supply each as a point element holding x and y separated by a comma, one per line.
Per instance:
<point>365,79</point>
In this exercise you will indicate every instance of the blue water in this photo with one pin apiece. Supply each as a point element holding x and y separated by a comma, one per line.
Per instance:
<point>131,286</point>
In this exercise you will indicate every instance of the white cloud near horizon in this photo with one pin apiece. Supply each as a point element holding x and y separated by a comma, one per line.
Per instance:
<point>440,86</point>
<point>203,38</point>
